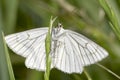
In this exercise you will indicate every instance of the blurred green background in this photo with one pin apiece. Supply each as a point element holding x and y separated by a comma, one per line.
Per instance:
<point>96,20</point>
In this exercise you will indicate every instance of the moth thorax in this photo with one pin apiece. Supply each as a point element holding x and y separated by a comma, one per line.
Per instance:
<point>58,31</point>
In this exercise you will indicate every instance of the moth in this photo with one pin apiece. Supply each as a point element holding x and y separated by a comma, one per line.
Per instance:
<point>70,51</point>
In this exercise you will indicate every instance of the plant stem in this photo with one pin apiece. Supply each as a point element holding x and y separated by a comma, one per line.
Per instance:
<point>108,70</point>
<point>48,49</point>
<point>87,75</point>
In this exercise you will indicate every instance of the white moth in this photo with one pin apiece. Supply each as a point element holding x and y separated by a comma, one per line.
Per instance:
<point>70,51</point>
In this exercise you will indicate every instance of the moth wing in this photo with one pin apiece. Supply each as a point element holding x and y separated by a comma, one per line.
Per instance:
<point>30,44</point>
<point>76,52</point>
<point>90,51</point>
<point>25,43</point>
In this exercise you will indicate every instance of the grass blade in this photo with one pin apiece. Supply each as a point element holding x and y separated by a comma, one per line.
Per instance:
<point>111,72</point>
<point>48,49</point>
<point>6,72</point>
<point>87,75</point>
<point>8,61</point>
<point>113,15</point>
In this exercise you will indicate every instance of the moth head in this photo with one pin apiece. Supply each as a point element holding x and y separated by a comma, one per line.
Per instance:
<point>59,29</point>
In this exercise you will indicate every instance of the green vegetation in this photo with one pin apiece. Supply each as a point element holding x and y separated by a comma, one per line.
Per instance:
<point>96,19</point>
<point>48,48</point>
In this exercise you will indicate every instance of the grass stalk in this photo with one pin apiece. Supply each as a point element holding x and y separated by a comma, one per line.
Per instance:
<point>6,72</point>
<point>108,70</point>
<point>112,15</point>
<point>87,75</point>
<point>48,49</point>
